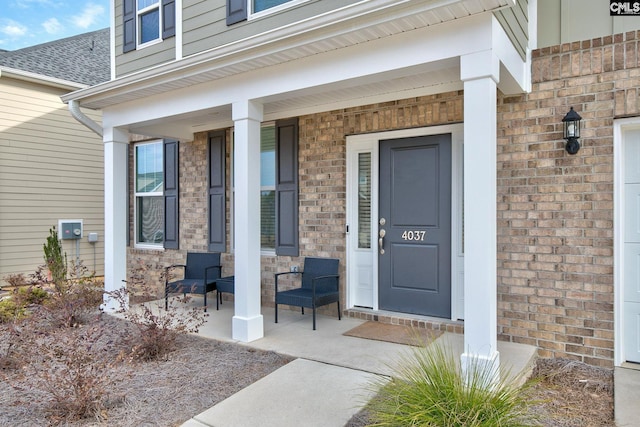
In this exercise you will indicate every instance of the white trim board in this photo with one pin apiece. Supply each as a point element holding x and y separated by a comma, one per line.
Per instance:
<point>370,143</point>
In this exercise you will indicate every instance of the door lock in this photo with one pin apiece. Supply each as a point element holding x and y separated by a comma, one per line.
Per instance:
<point>382,233</point>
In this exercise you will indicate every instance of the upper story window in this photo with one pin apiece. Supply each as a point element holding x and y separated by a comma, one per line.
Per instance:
<point>240,10</point>
<point>148,12</point>
<point>260,5</point>
<point>147,21</point>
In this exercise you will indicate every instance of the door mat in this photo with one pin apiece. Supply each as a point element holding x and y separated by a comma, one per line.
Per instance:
<point>399,334</point>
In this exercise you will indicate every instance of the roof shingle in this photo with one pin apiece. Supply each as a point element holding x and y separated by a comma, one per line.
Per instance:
<point>81,59</point>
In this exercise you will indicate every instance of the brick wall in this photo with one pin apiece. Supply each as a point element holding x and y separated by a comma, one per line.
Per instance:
<point>322,162</point>
<point>555,210</point>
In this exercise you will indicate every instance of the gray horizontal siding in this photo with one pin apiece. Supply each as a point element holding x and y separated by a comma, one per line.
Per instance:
<point>51,168</point>
<point>205,22</point>
<point>515,21</point>
<point>204,28</point>
<point>144,58</point>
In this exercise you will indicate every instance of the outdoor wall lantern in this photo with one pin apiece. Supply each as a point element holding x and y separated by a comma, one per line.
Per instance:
<point>572,131</point>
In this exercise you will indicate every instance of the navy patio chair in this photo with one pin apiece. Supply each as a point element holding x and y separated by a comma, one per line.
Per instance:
<point>200,274</point>
<point>320,285</point>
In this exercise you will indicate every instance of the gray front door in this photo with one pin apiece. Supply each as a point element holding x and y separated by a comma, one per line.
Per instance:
<point>414,228</point>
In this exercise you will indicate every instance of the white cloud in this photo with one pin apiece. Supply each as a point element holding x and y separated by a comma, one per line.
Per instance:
<point>13,29</point>
<point>52,26</point>
<point>25,4</point>
<point>89,16</point>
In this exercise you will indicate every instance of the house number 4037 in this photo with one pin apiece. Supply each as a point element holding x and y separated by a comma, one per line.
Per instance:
<point>413,235</point>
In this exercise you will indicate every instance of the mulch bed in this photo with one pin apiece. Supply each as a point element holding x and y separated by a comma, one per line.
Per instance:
<point>190,380</point>
<point>203,372</point>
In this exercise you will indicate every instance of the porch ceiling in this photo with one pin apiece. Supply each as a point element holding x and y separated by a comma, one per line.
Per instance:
<point>410,82</point>
<point>353,25</point>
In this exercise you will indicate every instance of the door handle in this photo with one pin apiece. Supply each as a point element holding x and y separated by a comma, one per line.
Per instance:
<point>382,233</point>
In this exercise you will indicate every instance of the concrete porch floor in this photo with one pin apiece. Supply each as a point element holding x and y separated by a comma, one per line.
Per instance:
<point>327,383</point>
<point>627,395</point>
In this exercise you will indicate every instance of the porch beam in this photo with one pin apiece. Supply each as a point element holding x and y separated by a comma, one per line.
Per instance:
<point>480,73</point>
<point>247,323</point>
<point>116,143</point>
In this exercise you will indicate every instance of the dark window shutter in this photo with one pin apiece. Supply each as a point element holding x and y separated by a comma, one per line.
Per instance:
<point>217,200</point>
<point>236,11</point>
<point>129,25</point>
<point>287,187</point>
<point>168,18</point>
<point>171,209</point>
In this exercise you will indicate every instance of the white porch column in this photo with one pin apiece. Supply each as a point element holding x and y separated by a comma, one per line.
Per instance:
<point>247,324</point>
<point>480,73</point>
<point>116,192</point>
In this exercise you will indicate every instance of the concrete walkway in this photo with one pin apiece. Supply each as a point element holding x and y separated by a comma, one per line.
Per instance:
<point>627,396</point>
<point>329,380</point>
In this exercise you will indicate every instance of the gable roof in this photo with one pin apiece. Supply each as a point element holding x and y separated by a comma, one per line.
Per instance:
<point>82,59</point>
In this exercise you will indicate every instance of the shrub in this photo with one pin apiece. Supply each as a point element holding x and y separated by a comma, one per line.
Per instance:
<point>14,307</point>
<point>15,279</point>
<point>157,328</point>
<point>70,302</point>
<point>55,260</point>
<point>30,295</point>
<point>429,390</point>
<point>79,298</point>
<point>72,368</point>
<point>10,310</point>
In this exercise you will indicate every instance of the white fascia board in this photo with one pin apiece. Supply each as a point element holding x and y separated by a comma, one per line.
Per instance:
<point>426,47</point>
<point>333,23</point>
<point>517,79</point>
<point>39,78</point>
<point>166,130</point>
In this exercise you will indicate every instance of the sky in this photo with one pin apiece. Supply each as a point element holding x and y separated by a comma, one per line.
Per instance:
<point>26,23</point>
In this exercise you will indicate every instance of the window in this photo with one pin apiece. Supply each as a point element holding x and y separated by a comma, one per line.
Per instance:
<point>278,187</point>
<point>260,5</point>
<point>268,188</point>
<point>156,207</point>
<point>148,12</point>
<point>364,200</point>
<point>149,194</point>
<point>146,21</point>
<point>238,10</point>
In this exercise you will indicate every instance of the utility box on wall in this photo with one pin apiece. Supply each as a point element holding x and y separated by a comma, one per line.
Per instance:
<point>69,229</point>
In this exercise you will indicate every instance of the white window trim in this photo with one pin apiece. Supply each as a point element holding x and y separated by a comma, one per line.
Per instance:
<point>140,12</point>
<point>271,10</point>
<point>136,194</point>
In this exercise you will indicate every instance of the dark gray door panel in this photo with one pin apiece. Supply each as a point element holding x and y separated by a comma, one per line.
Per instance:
<point>415,225</point>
